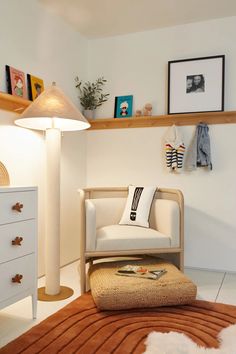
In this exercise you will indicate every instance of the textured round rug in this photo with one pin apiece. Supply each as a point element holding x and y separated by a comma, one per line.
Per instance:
<point>81,328</point>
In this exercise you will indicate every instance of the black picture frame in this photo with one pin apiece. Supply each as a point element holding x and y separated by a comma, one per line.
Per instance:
<point>196,85</point>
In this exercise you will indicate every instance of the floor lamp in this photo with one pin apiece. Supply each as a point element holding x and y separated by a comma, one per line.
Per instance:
<point>54,113</point>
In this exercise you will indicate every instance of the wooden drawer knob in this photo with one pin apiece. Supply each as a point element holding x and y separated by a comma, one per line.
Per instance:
<point>18,206</point>
<point>17,278</point>
<point>17,241</point>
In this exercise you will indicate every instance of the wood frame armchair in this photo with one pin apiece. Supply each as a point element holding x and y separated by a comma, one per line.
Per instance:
<point>174,209</point>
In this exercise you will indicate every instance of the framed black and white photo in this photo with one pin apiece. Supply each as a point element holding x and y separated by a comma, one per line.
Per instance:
<point>196,85</point>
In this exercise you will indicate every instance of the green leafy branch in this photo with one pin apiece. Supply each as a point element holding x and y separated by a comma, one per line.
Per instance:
<point>90,94</point>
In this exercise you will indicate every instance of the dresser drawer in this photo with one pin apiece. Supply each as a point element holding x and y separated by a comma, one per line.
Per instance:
<point>26,206</point>
<point>17,239</point>
<point>25,267</point>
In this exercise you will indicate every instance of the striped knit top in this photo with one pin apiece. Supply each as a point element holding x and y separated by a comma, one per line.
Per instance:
<point>174,149</point>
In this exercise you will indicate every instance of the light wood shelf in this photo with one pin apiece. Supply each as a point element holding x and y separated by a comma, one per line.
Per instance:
<point>13,103</point>
<point>18,105</point>
<point>164,120</point>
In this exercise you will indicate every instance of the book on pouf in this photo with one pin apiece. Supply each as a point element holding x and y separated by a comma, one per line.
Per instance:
<point>140,272</point>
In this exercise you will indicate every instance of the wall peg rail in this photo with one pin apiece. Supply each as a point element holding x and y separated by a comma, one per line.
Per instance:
<point>164,120</point>
<point>18,105</point>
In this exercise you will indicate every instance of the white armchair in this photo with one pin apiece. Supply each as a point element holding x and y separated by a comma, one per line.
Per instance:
<point>101,235</point>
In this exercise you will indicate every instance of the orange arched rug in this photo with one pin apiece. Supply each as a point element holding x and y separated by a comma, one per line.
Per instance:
<point>81,328</point>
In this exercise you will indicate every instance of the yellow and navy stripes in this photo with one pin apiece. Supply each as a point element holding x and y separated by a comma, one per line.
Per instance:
<point>174,156</point>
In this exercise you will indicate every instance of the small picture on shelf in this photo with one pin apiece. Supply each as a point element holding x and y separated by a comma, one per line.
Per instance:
<point>123,106</point>
<point>35,86</point>
<point>16,82</point>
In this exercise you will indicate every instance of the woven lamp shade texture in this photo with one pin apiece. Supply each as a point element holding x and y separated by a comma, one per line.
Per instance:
<point>52,109</point>
<point>4,176</point>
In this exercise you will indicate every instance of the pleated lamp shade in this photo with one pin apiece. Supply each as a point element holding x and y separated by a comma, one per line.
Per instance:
<point>52,109</point>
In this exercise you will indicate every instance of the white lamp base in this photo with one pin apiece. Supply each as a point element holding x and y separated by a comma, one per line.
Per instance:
<point>64,293</point>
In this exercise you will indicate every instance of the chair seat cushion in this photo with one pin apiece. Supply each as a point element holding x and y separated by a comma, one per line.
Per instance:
<point>124,237</point>
<point>114,292</point>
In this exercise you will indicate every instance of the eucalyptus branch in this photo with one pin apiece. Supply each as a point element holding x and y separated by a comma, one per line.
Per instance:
<point>90,94</point>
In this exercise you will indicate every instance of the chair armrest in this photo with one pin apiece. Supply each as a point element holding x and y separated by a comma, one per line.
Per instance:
<point>90,217</point>
<point>167,215</point>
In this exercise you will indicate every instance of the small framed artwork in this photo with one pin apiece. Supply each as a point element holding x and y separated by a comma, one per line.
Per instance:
<point>123,106</point>
<point>35,86</point>
<point>16,82</point>
<point>196,85</point>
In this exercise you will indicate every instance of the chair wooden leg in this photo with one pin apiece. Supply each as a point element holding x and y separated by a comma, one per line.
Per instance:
<point>82,275</point>
<point>181,261</point>
<point>87,281</point>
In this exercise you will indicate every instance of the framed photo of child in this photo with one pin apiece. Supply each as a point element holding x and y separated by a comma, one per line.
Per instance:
<point>196,85</point>
<point>123,106</point>
<point>35,86</point>
<point>16,85</point>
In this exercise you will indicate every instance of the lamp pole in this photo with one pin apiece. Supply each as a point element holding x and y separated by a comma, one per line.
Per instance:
<point>52,232</point>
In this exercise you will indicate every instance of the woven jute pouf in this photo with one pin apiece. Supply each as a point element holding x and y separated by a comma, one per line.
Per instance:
<point>114,292</point>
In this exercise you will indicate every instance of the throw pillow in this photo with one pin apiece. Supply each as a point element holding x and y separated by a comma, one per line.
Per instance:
<point>138,206</point>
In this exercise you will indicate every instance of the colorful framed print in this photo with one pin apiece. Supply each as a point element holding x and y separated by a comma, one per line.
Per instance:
<point>16,85</point>
<point>123,106</point>
<point>196,85</point>
<point>35,86</point>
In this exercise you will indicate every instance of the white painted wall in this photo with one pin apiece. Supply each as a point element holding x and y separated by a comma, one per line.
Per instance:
<point>137,64</point>
<point>39,43</point>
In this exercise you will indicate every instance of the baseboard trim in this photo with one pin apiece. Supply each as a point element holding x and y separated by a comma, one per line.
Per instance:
<point>211,270</point>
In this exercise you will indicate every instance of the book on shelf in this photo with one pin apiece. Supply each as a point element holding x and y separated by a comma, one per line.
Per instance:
<point>140,272</point>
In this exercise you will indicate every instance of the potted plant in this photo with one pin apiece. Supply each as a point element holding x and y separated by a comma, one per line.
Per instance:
<point>90,94</point>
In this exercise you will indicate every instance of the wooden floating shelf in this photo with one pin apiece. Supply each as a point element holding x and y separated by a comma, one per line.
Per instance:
<point>13,103</point>
<point>18,105</point>
<point>164,120</point>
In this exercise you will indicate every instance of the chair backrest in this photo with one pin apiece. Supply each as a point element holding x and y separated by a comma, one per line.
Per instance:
<point>122,192</point>
<point>108,210</point>
<point>101,193</point>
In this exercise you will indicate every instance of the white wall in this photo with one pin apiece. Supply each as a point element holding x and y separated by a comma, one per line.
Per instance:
<point>39,43</point>
<point>137,64</point>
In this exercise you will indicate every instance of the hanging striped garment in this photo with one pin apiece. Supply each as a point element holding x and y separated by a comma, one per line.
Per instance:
<point>174,148</point>
<point>171,156</point>
<point>180,155</point>
<point>174,157</point>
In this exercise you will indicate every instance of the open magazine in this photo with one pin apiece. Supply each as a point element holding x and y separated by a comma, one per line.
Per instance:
<point>140,272</point>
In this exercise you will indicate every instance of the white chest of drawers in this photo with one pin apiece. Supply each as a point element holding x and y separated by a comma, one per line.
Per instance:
<point>18,245</point>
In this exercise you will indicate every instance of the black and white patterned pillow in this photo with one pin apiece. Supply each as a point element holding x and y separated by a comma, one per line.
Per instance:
<point>138,205</point>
